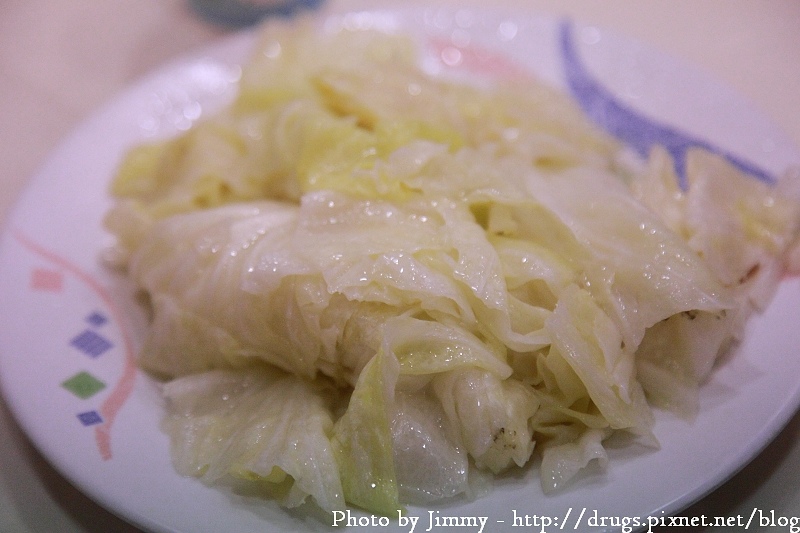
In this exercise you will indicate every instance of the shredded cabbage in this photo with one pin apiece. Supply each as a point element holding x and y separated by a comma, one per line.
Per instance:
<point>372,286</point>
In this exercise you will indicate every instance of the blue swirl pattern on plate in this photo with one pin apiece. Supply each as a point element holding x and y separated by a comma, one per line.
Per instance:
<point>638,131</point>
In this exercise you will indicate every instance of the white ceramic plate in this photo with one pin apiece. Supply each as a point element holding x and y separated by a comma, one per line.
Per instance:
<point>70,329</point>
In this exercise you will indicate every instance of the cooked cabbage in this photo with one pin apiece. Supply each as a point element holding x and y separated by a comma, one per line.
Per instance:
<point>372,286</point>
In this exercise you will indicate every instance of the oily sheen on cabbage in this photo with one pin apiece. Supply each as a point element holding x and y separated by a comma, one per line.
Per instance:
<point>371,286</point>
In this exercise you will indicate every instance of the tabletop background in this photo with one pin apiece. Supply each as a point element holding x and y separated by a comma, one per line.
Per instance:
<point>60,60</point>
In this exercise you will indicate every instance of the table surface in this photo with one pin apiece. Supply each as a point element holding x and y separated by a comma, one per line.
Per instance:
<point>60,60</point>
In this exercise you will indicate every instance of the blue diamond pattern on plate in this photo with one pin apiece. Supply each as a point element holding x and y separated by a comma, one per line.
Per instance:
<point>91,343</point>
<point>90,418</point>
<point>96,319</point>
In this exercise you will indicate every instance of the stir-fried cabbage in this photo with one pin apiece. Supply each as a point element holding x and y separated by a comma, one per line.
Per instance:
<point>372,286</point>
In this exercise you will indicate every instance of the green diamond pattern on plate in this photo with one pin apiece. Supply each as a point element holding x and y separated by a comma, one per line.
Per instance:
<point>83,385</point>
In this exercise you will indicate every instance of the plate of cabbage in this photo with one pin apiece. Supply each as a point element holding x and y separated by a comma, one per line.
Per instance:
<point>408,268</point>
